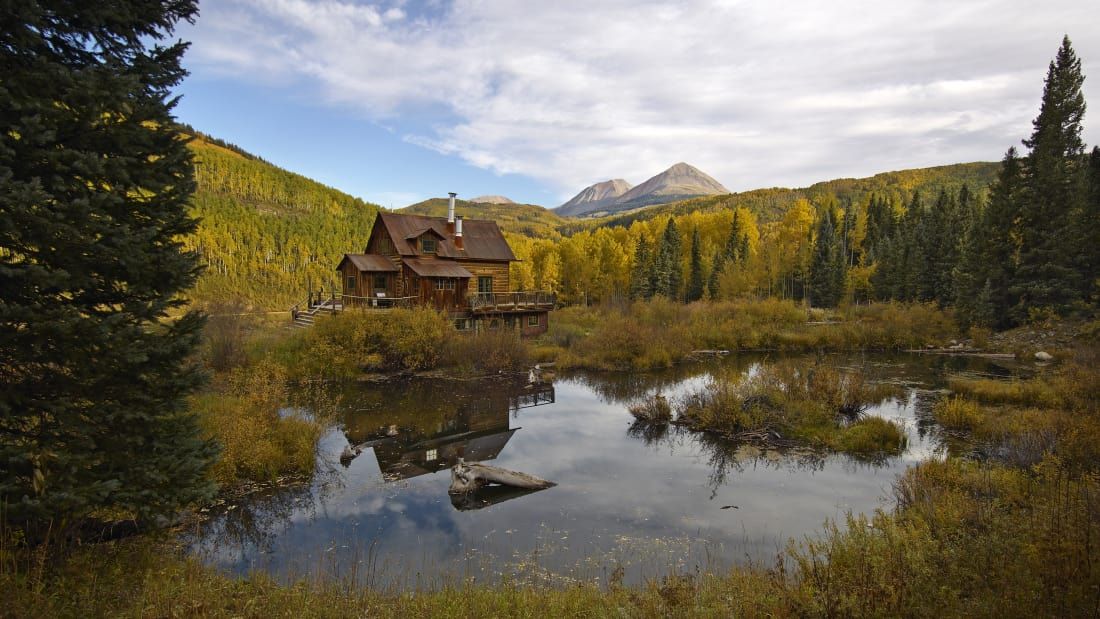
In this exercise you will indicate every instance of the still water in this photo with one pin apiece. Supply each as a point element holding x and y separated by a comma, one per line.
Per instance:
<point>630,503</point>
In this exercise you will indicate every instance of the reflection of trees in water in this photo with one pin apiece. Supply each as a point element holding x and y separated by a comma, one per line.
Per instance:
<point>725,456</point>
<point>256,520</point>
<point>922,402</point>
<point>649,433</point>
<point>626,387</point>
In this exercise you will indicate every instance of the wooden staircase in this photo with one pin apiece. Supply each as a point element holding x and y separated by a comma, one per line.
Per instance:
<point>303,319</point>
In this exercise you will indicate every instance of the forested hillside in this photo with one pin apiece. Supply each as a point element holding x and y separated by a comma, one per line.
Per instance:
<point>264,232</point>
<point>524,219</point>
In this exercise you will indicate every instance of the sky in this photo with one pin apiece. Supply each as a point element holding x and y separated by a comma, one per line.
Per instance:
<point>399,101</point>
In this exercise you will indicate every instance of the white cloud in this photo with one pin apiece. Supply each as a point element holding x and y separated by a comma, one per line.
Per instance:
<point>756,94</point>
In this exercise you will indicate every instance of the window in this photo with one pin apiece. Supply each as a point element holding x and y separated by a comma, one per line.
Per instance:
<point>379,281</point>
<point>533,320</point>
<point>484,284</point>
<point>462,324</point>
<point>443,283</point>
<point>427,245</point>
<point>431,455</point>
<point>494,323</point>
<point>349,287</point>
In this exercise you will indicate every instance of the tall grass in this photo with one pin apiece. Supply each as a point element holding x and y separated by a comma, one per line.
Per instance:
<point>242,414</point>
<point>1022,421</point>
<point>658,333</point>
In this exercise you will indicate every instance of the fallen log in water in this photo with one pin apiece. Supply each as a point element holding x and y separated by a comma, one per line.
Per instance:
<point>469,477</point>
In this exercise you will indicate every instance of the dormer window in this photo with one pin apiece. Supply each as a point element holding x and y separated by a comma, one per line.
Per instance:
<point>427,245</point>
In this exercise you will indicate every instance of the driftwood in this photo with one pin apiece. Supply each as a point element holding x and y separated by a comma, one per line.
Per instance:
<point>469,477</point>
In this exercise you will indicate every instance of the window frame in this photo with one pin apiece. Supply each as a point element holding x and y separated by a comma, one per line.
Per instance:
<point>427,240</point>
<point>537,320</point>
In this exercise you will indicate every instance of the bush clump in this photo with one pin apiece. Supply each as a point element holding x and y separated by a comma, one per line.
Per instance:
<point>257,442</point>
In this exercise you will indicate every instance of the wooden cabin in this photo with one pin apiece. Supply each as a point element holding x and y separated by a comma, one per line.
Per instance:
<point>459,266</point>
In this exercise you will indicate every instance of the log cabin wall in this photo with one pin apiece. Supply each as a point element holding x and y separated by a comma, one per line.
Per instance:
<point>351,275</point>
<point>497,270</point>
<point>381,243</point>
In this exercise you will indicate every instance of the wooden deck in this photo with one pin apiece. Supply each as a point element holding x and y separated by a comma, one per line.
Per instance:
<point>530,301</point>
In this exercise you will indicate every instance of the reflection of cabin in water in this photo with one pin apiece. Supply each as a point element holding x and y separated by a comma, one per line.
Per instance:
<point>454,265</point>
<point>477,431</point>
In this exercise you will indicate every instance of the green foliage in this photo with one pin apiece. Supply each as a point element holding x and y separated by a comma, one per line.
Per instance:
<point>828,266</point>
<point>988,260</point>
<point>1051,203</point>
<point>695,279</point>
<point>93,377</point>
<point>668,275</point>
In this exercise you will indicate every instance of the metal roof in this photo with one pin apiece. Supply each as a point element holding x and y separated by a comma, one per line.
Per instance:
<point>437,268</point>
<point>482,239</point>
<point>369,262</point>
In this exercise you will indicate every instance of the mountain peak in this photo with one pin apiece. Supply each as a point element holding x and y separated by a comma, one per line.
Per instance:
<point>594,197</point>
<point>493,200</point>
<point>680,181</point>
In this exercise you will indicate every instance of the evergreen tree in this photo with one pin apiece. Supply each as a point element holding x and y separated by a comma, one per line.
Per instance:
<point>641,279</point>
<point>1053,193</point>
<point>667,271</point>
<point>987,265</point>
<point>713,280</point>
<point>945,228</point>
<point>912,263</point>
<point>1090,230</point>
<point>826,285</point>
<point>695,281</point>
<point>92,206</point>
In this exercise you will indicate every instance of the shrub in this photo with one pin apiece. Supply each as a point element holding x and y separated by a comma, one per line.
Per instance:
<point>257,442</point>
<point>489,352</point>
<point>872,435</point>
<point>957,413</point>
<point>652,409</point>
<point>395,340</point>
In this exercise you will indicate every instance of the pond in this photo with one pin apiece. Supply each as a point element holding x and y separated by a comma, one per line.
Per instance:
<point>631,504</point>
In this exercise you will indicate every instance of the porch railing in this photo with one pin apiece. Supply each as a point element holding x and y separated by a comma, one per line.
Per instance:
<point>350,300</point>
<point>498,301</point>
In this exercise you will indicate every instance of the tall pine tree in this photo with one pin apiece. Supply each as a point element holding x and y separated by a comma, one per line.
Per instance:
<point>1053,193</point>
<point>987,266</point>
<point>641,278</point>
<point>695,282</point>
<point>827,266</point>
<point>668,276</point>
<point>96,180</point>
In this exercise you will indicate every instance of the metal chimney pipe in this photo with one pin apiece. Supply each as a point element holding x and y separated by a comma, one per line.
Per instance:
<point>451,212</point>
<point>458,232</point>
